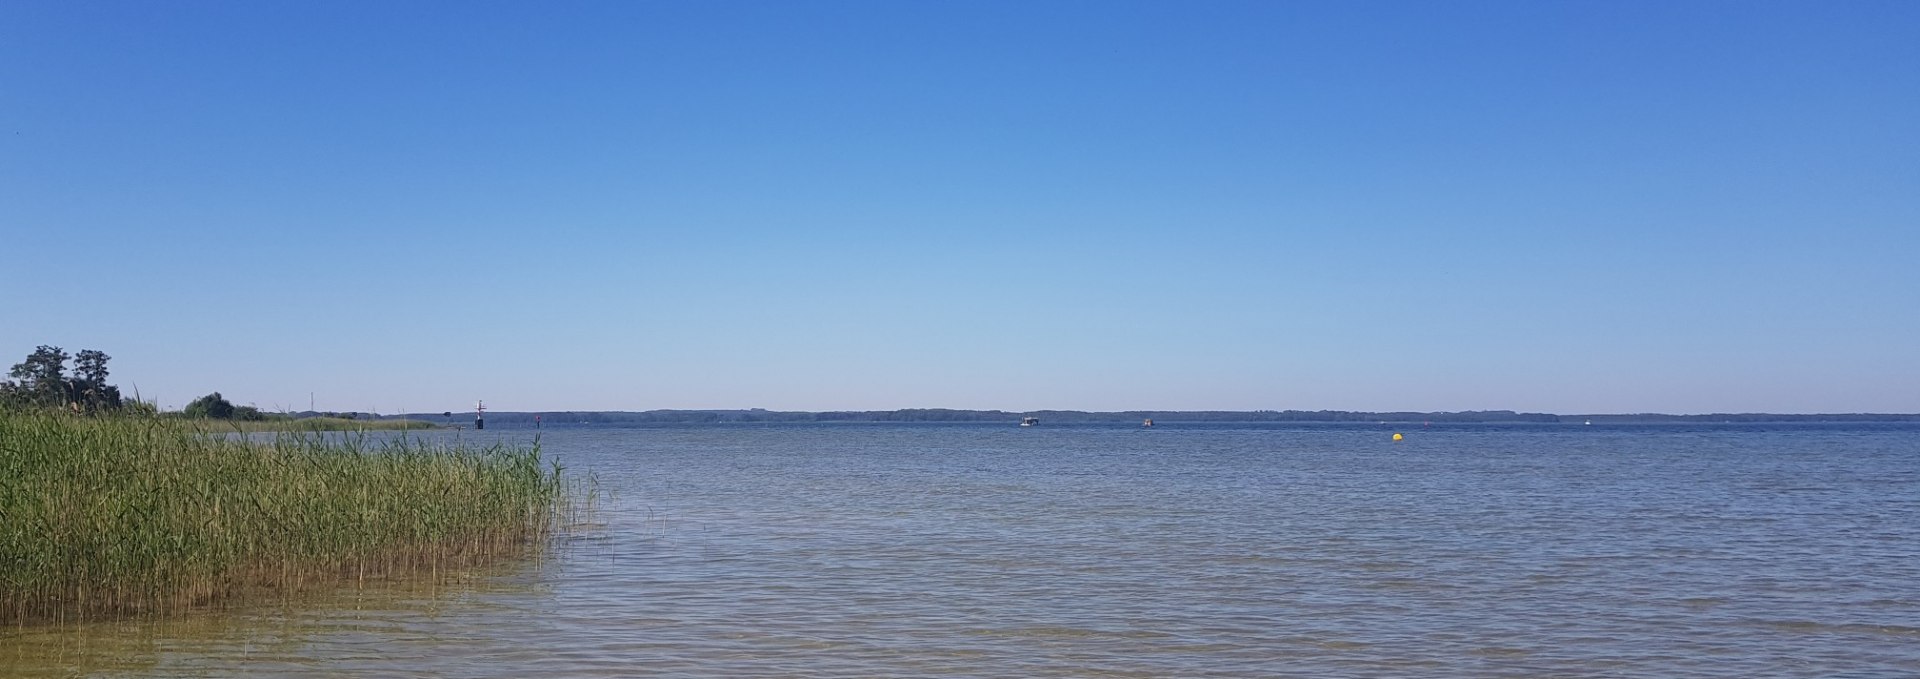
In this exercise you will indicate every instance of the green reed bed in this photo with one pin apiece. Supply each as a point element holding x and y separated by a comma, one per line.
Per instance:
<point>113,516</point>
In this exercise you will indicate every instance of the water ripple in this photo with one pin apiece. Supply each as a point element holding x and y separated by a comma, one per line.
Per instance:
<point>968,551</point>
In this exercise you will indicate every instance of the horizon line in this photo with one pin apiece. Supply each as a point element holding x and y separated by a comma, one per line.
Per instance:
<point>1163,410</point>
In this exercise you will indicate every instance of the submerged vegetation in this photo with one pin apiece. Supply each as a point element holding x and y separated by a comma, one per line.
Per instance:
<point>103,516</point>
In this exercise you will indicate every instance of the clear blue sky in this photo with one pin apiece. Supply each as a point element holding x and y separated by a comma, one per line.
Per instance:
<point>1551,206</point>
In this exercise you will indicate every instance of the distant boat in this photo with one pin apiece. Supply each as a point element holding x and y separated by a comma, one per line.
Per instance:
<point>1148,424</point>
<point>1029,421</point>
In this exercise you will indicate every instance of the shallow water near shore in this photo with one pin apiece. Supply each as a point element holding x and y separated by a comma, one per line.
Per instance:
<point>1184,550</point>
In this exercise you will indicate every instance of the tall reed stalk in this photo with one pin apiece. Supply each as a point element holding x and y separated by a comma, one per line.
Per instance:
<point>115,516</point>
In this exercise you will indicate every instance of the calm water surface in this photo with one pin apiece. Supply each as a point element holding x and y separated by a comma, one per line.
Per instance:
<point>1181,551</point>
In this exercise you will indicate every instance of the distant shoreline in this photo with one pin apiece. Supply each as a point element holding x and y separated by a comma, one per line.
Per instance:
<point>276,424</point>
<point>559,417</point>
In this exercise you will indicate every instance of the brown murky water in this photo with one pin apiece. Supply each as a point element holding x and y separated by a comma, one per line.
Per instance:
<point>1228,551</point>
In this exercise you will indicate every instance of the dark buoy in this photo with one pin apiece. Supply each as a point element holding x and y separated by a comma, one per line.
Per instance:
<point>479,414</point>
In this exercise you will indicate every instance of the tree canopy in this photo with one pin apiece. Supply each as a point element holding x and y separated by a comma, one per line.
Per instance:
<point>212,406</point>
<point>42,381</point>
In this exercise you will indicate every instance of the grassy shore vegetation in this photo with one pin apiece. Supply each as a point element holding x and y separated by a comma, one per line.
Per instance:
<point>307,424</point>
<point>117,515</point>
<point>214,413</point>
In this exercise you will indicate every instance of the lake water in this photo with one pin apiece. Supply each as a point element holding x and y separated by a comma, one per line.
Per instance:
<point>1112,551</point>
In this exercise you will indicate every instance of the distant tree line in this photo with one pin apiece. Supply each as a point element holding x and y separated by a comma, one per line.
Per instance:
<point>42,381</point>
<point>216,407</point>
<point>756,415</point>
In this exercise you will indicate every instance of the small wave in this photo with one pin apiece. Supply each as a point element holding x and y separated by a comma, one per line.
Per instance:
<point>1813,627</point>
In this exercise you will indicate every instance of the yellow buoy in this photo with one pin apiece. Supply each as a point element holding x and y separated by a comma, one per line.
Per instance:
<point>1397,436</point>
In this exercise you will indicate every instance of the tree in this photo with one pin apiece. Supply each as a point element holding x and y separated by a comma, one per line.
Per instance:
<point>210,406</point>
<point>90,365</point>
<point>41,379</point>
<point>89,389</point>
